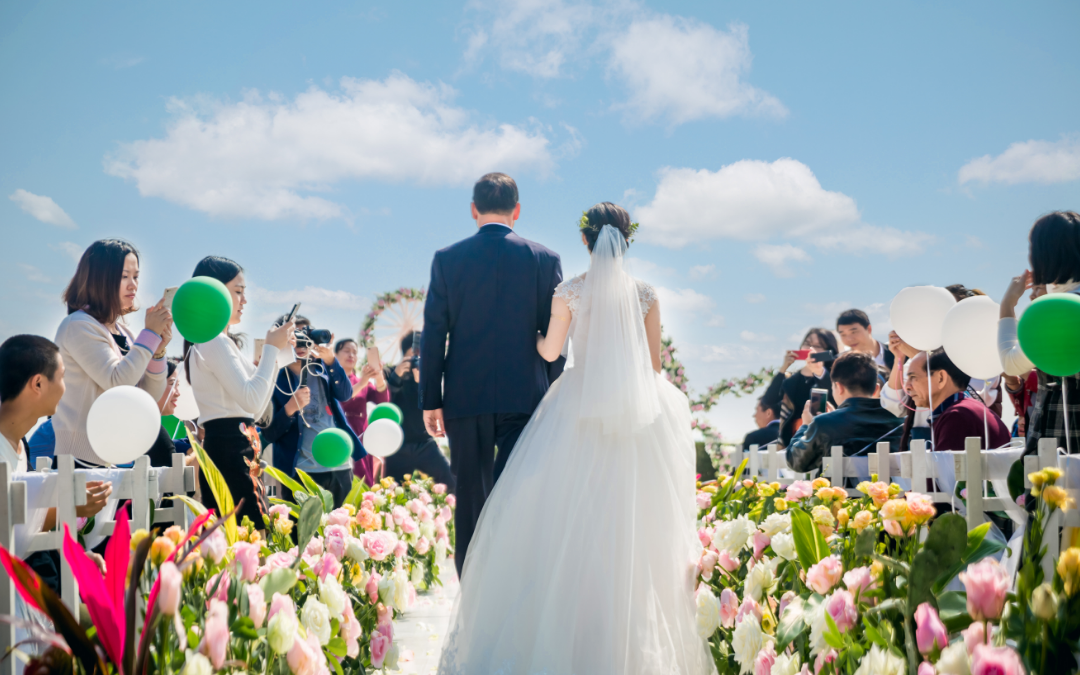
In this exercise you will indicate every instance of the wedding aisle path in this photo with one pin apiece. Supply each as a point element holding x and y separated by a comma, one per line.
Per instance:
<point>422,631</point>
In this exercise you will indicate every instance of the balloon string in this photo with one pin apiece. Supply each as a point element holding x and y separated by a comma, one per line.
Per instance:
<point>930,396</point>
<point>1066,412</point>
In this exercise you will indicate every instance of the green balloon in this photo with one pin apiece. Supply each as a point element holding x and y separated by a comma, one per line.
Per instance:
<point>331,448</point>
<point>1049,333</point>
<point>201,309</point>
<point>174,427</point>
<point>386,411</point>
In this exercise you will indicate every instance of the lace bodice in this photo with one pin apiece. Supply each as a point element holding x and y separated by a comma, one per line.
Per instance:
<point>571,290</point>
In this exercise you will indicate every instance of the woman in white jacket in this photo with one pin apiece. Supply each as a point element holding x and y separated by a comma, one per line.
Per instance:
<point>99,350</point>
<point>231,390</point>
<point>1054,254</point>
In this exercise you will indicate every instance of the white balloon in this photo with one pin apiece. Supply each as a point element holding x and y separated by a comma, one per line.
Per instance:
<point>969,336</point>
<point>122,424</point>
<point>918,313</point>
<point>383,438</point>
<point>186,407</point>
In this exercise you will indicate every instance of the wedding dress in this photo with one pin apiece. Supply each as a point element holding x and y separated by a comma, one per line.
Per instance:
<point>583,558</point>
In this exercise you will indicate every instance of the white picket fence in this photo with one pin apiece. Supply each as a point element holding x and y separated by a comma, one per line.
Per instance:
<point>21,503</point>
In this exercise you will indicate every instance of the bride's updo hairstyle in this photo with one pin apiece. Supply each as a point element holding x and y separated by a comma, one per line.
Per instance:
<point>606,213</point>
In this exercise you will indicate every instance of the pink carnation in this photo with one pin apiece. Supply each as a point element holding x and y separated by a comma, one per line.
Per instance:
<point>423,546</point>
<point>328,566</point>
<point>400,549</point>
<point>729,607</point>
<point>727,562</point>
<point>338,517</point>
<point>800,489</point>
<point>765,659</point>
<point>314,547</point>
<point>859,580</point>
<point>704,500</point>
<point>372,587</point>
<point>749,606</point>
<point>987,583</point>
<point>222,592</point>
<point>761,542</point>
<point>930,632</point>
<point>841,607</point>
<point>378,545</point>
<point>825,574</point>
<point>439,489</point>
<point>986,660</point>
<point>335,538</point>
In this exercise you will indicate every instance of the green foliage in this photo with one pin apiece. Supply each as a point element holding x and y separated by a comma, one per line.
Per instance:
<point>315,490</point>
<point>310,519</point>
<point>944,547</point>
<point>978,547</point>
<point>219,487</point>
<point>809,542</point>
<point>792,624</point>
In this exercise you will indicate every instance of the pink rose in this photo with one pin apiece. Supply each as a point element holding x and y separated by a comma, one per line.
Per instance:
<point>749,606</point>
<point>927,668</point>
<point>859,580</point>
<point>279,510</point>
<point>276,561</point>
<point>765,659</point>
<point>380,644</point>
<point>222,592</point>
<point>399,514</point>
<point>727,562</point>
<point>974,635</point>
<point>409,526</point>
<point>423,546</point>
<point>704,535</point>
<point>256,605</point>
<point>303,658</point>
<point>828,656</point>
<point>729,607</point>
<point>785,600</point>
<point>335,538</point>
<point>879,492</point>
<point>800,489</point>
<point>825,574</point>
<point>400,549</point>
<point>338,517</point>
<point>414,506</point>
<point>213,547</point>
<point>377,545</point>
<point>425,498</point>
<point>986,660</point>
<point>328,566</point>
<point>372,587</point>
<point>707,563</point>
<point>216,639</point>
<point>246,561</point>
<point>426,515</point>
<point>920,507</point>
<point>704,500</point>
<point>841,607</point>
<point>351,631</point>
<point>278,603</point>
<point>439,489</point>
<point>170,581</point>
<point>383,614</point>
<point>314,547</point>
<point>761,542</point>
<point>369,497</point>
<point>387,629</point>
<point>930,632</point>
<point>986,583</point>
<point>451,501</point>
<point>445,515</point>
<point>441,533</point>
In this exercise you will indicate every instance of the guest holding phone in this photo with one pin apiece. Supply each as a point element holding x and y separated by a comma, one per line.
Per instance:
<point>230,390</point>
<point>367,387</point>
<point>818,349</point>
<point>98,348</point>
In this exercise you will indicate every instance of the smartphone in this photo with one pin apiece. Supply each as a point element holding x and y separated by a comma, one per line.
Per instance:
<point>823,357</point>
<point>292,314</point>
<point>259,343</point>
<point>819,398</point>
<point>166,299</point>
<point>373,358</point>
<point>801,354</point>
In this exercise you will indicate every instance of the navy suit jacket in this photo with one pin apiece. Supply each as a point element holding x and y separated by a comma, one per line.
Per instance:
<point>490,295</point>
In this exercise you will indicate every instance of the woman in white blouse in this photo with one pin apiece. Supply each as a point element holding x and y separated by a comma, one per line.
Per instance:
<point>230,389</point>
<point>98,348</point>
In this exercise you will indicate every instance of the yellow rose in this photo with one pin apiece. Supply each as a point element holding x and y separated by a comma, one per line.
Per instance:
<point>242,533</point>
<point>161,549</point>
<point>137,536</point>
<point>1052,473</point>
<point>283,526</point>
<point>894,489</point>
<point>193,567</point>
<point>768,623</point>
<point>774,485</point>
<point>765,490</point>
<point>1068,568</point>
<point>176,533</point>
<point>1057,497</point>
<point>876,569</point>
<point>842,517</point>
<point>1037,479</point>
<point>780,503</point>
<point>820,483</point>
<point>862,520</point>
<point>863,487</point>
<point>351,509</point>
<point>711,489</point>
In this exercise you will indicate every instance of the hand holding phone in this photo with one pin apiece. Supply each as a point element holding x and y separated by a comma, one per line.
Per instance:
<point>819,398</point>
<point>801,354</point>
<point>167,297</point>
<point>292,314</point>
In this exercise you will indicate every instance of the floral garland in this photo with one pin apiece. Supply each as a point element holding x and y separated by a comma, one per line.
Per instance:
<point>379,306</point>
<point>739,388</point>
<point>716,447</point>
<point>583,225</point>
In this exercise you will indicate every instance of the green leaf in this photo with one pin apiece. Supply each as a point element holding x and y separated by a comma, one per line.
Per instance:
<point>337,647</point>
<point>952,608</point>
<point>832,633</point>
<point>219,487</point>
<point>809,543</point>
<point>943,548</point>
<point>791,624</point>
<point>310,519</point>
<point>356,493</point>
<point>865,543</point>
<point>1016,479</point>
<point>978,547</point>
<point>280,580</point>
<point>315,489</point>
<point>284,479</point>
<point>197,508</point>
<point>244,628</point>
<point>873,634</point>
<point>337,666</point>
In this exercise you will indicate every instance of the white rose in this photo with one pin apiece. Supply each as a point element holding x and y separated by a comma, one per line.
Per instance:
<point>746,642</point>
<point>733,535</point>
<point>281,631</point>
<point>316,619</point>
<point>333,596</point>
<point>391,660</point>
<point>708,612</point>
<point>386,589</point>
<point>783,544</point>
<point>786,664</point>
<point>399,491</point>
<point>380,500</point>
<point>417,574</point>
<point>427,529</point>
<point>324,520</point>
<point>196,664</point>
<point>882,662</point>
<point>440,552</point>
<point>759,580</point>
<point>401,590</point>
<point>776,523</point>
<point>815,621</point>
<point>354,549</point>
<point>954,660</point>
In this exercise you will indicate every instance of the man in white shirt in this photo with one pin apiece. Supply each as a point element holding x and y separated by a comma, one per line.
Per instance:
<point>858,335</point>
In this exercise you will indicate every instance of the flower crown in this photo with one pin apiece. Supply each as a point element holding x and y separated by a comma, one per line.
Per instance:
<point>583,225</point>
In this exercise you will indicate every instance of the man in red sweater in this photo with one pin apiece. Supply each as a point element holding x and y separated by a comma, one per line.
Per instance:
<point>956,415</point>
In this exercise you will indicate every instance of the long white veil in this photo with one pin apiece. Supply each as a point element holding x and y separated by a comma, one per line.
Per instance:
<point>619,384</point>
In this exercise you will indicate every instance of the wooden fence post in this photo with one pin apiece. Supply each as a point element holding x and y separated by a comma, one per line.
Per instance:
<point>974,478</point>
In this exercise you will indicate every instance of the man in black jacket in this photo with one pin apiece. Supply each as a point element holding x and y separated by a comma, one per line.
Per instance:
<point>858,422</point>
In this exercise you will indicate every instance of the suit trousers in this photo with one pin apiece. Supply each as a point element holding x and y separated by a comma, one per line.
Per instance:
<point>477,465</point>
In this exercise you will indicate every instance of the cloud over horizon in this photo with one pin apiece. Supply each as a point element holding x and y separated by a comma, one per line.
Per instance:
<point>42,208</point>
<point>1045,162</point>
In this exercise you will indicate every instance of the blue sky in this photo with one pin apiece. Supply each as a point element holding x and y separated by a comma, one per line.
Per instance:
<point>785,160</point>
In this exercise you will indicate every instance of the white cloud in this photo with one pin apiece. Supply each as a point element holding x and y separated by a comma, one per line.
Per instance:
<point>684,300</point>
<point>536,37</point>
<point>702,271</point>
<point>683,69</point>
<point>715,321</point>
<point>1027,162</point>
<point>754,298</point>
<point>310,297</point>
<point>779,257</point>
<point>34,274</point>
<point>749,336</point>
<point>261,157</point>
<point>737,353</point>
<point>646,269</point>
<point>68,248</point>
<point>753,200</point>
<point>43,208</point>
<point>971,241</point>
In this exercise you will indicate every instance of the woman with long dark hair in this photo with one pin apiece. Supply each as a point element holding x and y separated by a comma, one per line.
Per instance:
<point>230,390</point>
<point>99,350</point>
<point>814,375</point>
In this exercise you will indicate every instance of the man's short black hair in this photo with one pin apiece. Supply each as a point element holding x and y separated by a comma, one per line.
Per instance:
<point>407,342</point>
<point>495,193</point>
<point>770,404</point>
<point>853,316</point>
<point>21,358</point>
<point>857,372</point>
<point>171,365</point>
<point>939,360</point>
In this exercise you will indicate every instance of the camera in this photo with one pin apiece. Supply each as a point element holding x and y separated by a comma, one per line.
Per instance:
<point>308,336</point>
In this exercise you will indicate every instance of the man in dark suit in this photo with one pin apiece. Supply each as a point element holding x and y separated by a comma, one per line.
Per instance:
<point>490,295</point>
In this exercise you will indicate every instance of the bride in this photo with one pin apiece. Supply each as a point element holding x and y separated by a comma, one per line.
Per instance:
<point>583,558</point>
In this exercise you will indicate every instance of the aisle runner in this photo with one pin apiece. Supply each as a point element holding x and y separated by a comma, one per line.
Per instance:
<point>421,632</point>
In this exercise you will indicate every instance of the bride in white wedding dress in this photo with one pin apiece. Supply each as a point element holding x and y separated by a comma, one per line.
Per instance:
<point>583,558</point>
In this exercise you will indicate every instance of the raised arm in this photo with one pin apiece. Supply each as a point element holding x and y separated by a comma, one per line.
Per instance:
<point>652,334</point>
<point>550,345</point>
